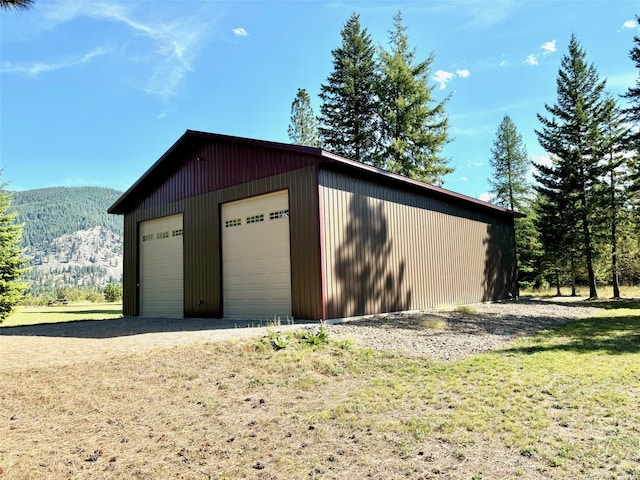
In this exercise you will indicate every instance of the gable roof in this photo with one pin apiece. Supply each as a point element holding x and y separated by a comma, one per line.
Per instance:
<point>192,140</point>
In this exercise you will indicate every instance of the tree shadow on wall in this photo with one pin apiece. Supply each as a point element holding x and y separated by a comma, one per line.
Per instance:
<point>500,269</point>
<point>368,278</point>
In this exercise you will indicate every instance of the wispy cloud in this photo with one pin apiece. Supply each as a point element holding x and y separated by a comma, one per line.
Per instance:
<point>547,48</point>
<point>629,24</point>
<point>442,77</point>
<point>169,46</point>
<point>36,68</point>
<point>240,32</point>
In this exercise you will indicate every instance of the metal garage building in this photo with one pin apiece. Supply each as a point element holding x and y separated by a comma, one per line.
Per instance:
<point>230,227</point>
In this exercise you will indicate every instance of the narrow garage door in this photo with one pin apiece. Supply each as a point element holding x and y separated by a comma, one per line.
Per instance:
<point>256,264</point>
<point>161,273</point>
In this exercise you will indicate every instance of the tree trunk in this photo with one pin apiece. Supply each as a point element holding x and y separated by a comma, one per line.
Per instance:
<point>588,250</point>
<point>557,283</point>
<point>573,275</point>
<point>614,241</point>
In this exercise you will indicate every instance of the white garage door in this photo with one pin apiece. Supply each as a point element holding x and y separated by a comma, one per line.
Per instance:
<point>256,264</point>
<point>161,271</point>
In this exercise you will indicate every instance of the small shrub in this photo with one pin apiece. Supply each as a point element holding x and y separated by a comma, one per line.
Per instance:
<point>278,340</point>
<point>112,293</point>
<point>315,338</point>
<point>435,323</point>
<point>465,310</point>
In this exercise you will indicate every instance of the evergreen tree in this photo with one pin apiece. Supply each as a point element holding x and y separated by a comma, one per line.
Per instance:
<point>614,146</point>
<point>16,4</point>
<point>413,125</point>
<point>633,115</point>
<point>348,110</point>
<point>303,129</point>
<point>633,94</point>
<point>571,135</point>
<point>510,163</point>
<point>11,260</point>
<point>556,225</point>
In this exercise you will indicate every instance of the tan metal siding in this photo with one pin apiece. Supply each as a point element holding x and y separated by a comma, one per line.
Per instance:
<point>130,306</point>
<point>389,250</point>
<point>202,292</point>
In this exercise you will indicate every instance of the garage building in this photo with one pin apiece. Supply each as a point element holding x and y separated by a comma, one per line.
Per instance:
<point>232,227</point>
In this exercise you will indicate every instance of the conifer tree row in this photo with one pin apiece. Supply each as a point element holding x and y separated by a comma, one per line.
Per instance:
<point>572,135</point>
<point>378,107</point>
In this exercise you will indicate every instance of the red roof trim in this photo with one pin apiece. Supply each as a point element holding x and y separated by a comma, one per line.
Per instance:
<point>323,157</point>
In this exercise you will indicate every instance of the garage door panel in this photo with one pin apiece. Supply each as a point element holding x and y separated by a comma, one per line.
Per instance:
<point>256,259</point>
<point>161,267</point>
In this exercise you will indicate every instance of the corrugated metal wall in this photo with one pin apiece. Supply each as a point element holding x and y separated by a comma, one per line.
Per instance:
<point>202,251</point>
<point>389,250</point>
<point>215,166</point>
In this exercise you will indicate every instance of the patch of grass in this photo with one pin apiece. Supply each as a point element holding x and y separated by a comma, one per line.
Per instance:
<point>583,291</point>
<point>561,404</point>
<point>433,322</point>
<point>466,310</point>
<point>23,315</point>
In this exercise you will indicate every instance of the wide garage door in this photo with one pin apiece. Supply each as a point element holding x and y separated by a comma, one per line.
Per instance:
<point>161,267</point>
<point>256,264</point>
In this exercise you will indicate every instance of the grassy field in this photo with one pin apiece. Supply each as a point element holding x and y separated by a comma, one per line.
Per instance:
<point>62,313</point>
<point>583,291</point>
<point>560,405</point>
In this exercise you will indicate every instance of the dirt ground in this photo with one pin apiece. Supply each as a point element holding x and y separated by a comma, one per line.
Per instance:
<point>459,335</point>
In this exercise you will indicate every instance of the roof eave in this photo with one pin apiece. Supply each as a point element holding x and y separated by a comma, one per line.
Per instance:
<point>439,191</point>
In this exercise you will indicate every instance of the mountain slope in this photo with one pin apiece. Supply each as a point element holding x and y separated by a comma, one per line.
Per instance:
<point>69,238</point>
<point>48,213</point>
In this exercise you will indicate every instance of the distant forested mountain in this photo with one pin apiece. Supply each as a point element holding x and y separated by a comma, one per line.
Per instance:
<point>48,213</point>
<point>70,239</point>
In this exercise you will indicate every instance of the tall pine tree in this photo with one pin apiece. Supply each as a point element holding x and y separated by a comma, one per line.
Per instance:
<point>633,115</point>
<point>414,126</point>
<point>571,135</point>
<point>614,147</point>
<point>11,260</point>
<point>303,129</point>
<point>348,110</point>
<point>633,94</point>
<point>510,164</point>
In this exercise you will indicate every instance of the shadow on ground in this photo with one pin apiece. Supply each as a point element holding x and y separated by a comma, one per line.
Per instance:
<point>612,335</point>
<point>128,326</point>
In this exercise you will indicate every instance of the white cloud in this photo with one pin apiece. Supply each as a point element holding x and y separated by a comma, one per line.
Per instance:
<point>464,179</point>
<point>169,47</point>
<point>486,197</point>
<point>240,32</point>
<point>443,77</point>
<point>548,47</point>
<point>36,68</point>
<point>629,24</point>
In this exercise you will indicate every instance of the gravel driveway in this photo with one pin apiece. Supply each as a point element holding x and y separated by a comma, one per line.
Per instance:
<point>448,335</point>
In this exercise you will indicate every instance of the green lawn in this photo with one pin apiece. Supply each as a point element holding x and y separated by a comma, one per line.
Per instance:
<point>62,313</point>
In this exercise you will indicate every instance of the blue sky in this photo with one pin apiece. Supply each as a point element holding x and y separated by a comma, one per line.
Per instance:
<point>94,92</point>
